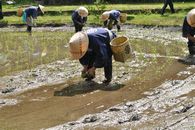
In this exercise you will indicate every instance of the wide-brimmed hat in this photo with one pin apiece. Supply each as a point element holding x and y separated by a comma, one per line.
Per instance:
<point>105,16</point>
<point>78,45</point>
<point>82,11</point>
<point>191,18</point>
<point>41,8</point>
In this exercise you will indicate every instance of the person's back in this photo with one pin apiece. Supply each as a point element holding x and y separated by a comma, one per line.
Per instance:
<point>31,11</point>
<point>99,41</point>
<point>114,14</point>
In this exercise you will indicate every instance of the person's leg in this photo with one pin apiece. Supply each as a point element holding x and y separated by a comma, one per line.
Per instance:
<point>80,28</point>
<point>108,71</point>
<point>171,6</point>
<point>29,29</point>
<point>76,28</point>
<point>87,60</point>
<point>164,7</point>
<point>191,50</point>
<point>110,24</point>
<point>105,23</point>
<point>117,25</point>
<point>29,22</point>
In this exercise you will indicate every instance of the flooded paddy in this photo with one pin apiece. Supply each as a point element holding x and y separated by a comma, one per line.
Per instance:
<point>151,90</point>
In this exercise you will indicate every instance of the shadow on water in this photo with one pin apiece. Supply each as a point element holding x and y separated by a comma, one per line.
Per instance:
<point>86,87</point>
<point>187,61</point>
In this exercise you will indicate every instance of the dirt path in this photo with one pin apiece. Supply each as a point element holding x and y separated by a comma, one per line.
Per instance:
<point>146,90</point>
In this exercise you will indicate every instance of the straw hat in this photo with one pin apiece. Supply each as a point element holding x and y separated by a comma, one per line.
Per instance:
<point>78,45</point>
<point>41,8</point>
<point>191,18</point>
<point>105,16</point>
<point>83,12</point>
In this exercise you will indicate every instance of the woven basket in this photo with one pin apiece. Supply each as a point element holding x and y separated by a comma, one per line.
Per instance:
<point>19,11</point>
<point>121,48</point>
<point>123,17</point>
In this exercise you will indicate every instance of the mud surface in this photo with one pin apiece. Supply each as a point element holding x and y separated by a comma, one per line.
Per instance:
<point>152,92</point>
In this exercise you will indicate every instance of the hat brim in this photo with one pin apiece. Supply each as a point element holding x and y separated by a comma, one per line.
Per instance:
<point>41,8</point>
<point>191,18</point>
<point>78,45</point>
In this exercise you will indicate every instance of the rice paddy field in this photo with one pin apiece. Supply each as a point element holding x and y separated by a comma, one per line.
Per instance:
<point>41,88</point>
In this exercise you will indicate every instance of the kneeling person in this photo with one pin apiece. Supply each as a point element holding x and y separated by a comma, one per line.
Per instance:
<point>93,50</point>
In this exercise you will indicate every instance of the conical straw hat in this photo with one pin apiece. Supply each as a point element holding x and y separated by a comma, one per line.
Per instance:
<point>41,8</point>
<point>191,18</point>
<point>78,45</point>
<point>83,12</point>
<point>105,16</point>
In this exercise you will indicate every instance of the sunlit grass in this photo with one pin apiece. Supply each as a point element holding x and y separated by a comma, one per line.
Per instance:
<point>133,6</point>
<point>143,19</point>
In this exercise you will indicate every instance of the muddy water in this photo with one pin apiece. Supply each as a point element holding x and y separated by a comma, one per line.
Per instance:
<point>54,104</point>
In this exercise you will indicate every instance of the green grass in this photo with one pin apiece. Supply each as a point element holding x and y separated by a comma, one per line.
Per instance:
<point>146,18</point>
<point>156,19</point>
<point>139,19</point>
<point>177,5</point>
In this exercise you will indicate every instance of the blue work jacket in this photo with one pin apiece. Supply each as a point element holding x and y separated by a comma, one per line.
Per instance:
<point>32,12</point>
<point>99,50</point>
<point>114,15</point>
<point>77,19</point>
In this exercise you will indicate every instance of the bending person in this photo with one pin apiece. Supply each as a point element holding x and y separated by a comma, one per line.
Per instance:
<point>188,31</point>
<point>93,50</point>
<point>111,18</point>
<point>79,18</point>
<point>30,15</point>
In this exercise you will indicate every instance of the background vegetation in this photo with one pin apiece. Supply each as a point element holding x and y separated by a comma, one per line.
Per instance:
<point>139,14</point>
<point>76,2</point>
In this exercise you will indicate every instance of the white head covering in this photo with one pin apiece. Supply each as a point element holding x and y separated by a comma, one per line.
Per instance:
<point>41,8</point>
<point>105,16</point>
<point>78,45</point>
<point>83,12</point>
<point>191,18</point>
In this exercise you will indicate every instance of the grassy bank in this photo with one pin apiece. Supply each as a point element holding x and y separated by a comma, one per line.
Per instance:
<point>138,19</point>
<point>141,6</point>
<point>145,17</point>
